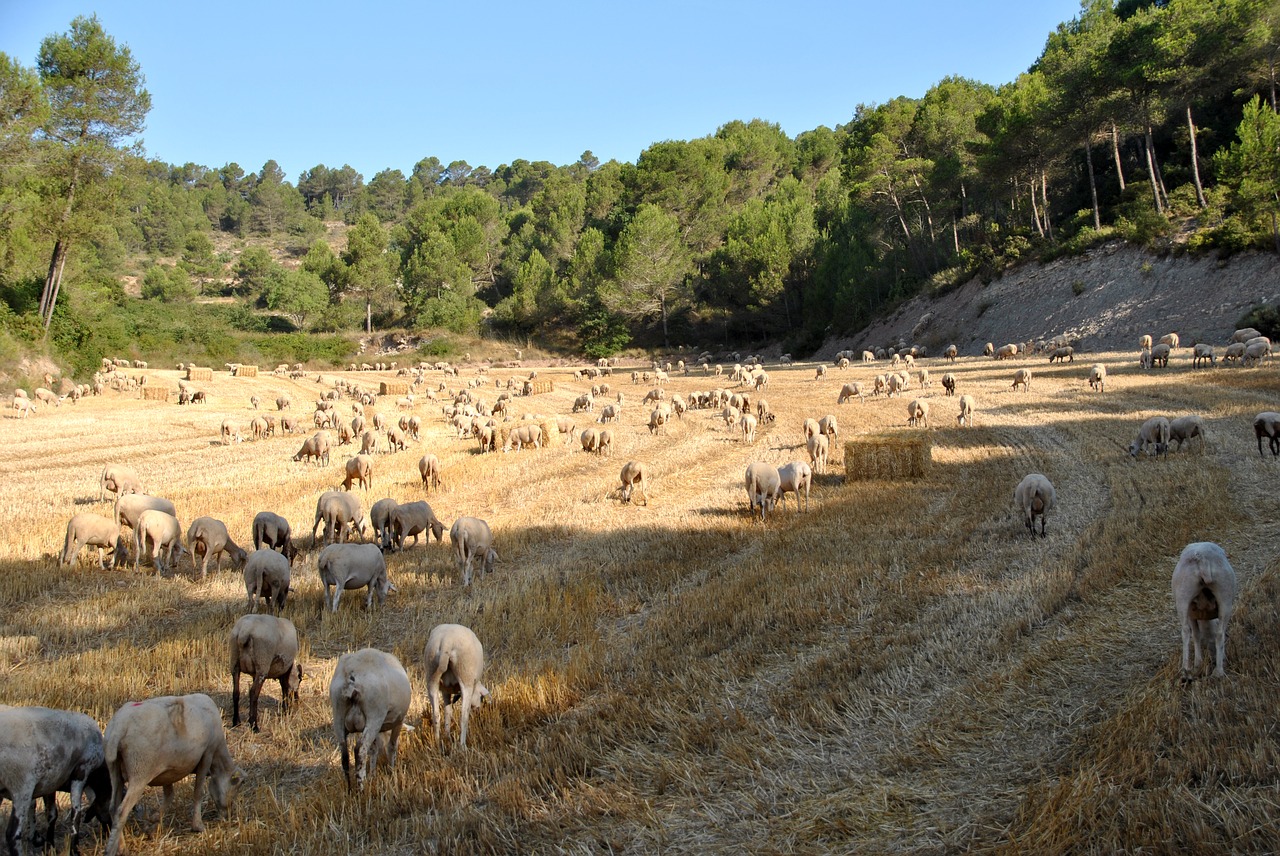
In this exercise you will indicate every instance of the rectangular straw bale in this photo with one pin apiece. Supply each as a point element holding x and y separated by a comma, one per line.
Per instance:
<point>155,393</point>
<point>541,386</point>
<point>888,455</point>
<point>247,371</point>
<point>199,373</point>
<point>393,387</point>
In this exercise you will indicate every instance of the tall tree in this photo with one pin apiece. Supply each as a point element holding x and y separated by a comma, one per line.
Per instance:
<point>369,265</point>
<point>97,103</point>
<point>650,265</point>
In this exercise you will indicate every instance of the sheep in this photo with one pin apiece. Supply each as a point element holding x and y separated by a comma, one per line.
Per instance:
<point>92,530</point>
<point>1144,358</point>
<point>590,439</point>
<point>1255,353</point>
<point>380,518</point>
<point>795,477</point>
<point>1159,355</point>
<point>1145,342</point>
<point>820,373</point>
<point>472,539</point>
<point>263,647</point>
<point>1203,353</point>
<point>411,519</point>
<point>1184,428</point>
<point>730,415</point>
<point>1267,424</point>
<point>273,531</point>
<point>828,425</point>
<point>118,479</point>
<point>1170,339</point>
<point>283,402</point>
<point>584,403</point>
<point>1233,353</point>
<point>965,419</point>
<point>918,413</point>
<point>266,577</point>
<point>524,435</point>
<point>230,431</point>
<point>415,427</point>
<point>129,508</point>
<point>658,418</point>
<point>369,695</point>
<point>45,751</point>
<point>609,413</point>
<point>1154,433</point>
<point>1204,593</point>
<point>923,375</point>
<point>343,567</point>
<point>634,476</point>
<point>159,742</point>
<point>1022,377</point>
<point>764,486</point>
<point>897,383</point>
<point>1035,496</point>
<point>369,443</point>
<point>340,512</point>
<point>358,469</point>
<point>24,406</point>
<point>454,660</point>
<point>1066,353</point>
<point>315,448</point>
<point>395,440</point>
<point>949,383</point>
<point>208,537</point>
<point>747,425</point>
<point>809,428</point>
<point>1098,377</point>
<point>819,448</point>
<point>486,437</point>
<point>606,442</point>
<point>165,534</point>
<point>1006,352</point>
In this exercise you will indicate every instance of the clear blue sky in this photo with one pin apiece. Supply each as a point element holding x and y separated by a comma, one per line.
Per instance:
<point>382,85</point>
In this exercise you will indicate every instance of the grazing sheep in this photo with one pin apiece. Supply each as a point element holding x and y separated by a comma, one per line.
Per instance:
<point>1245,334</point>
<point>965,419</point>
<point>315,448</point>
<point>1267,424</point>
<point>610,412</point>
<point>164,532</point>
<point>359,469</point>
<point>283,402</point>
<point>1006,352</point>
<point>129,508</point>
<point>949,383</point>
<point>794,477</point>
<point>809,428</point>
<point>828,425</point>
<point>273,531</point>
<point>254,401</point>
<point>848,391</point>
<point>635,476</point>
<point>230,431</point>
<point>989,350</point>
<point>118,479</point>
<point>472,539</point>
<point>1255,353</point>
<point>819,448</point>
<point>91,530</point>
<point>606,442</point>
<point>45,751</point>
<point>344,567</point>
<point>1035,496</point>
<point>340,512</point>
<point>1184,428</point>
<point>454,660</point>
<point>380,518</point>
<point>429,469</point>
<point>1159,356</point>
<point>523,435</point>
<point>411,519</point>
<point>369,443</point>
<point>1098,377</point>
<point>1022,377</point>
<point>747,425</point>
<point>764,485</point>
<point>1154,433</point>
<point>658,418</point>
<point>1204,594</point>
<point>918,413</point>
<point>1233,353</point>
<point>263,647</point>
<point>950,353</point>
<point>395,440</point>
<point>1203,353</point>
<point>161,741</point>
<point>1066,353</point>
<point>266,577</point>
<point>820,373</point>
<point>369,695</point>
<point>209,537</point>
<point>590,439</point>
<point>1145,342</point>
<point>1170,339</point>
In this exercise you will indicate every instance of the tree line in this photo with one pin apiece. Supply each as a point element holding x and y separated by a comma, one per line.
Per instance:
<point>1150,121</point>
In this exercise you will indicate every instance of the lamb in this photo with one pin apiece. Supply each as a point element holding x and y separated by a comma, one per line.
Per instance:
<point>454,660</point>
<point>315,448</point>
<point>92,530</point>
<point>1184,428</point>
<point>161,741</point>
<point>118,479</point>
<point>1204,593</point>
<point>1022,377</point>
<point>343,567</point>
<point>411,519</point>
<point>1203,353</point>
<point>795,477</point>
<point>43,752</point>
<point>273,531</point>
<point>129,508</point>
<point>165,534</point>
<point>635,476</point>
<point>949,383</point>
<point>1035,496</point>
<point>965,419</point>
<point>340,512</point>
<point>263,647</point>
<point>747,425</point>
<point>918,413</point>
<point>359,469</point>
<point>764,485</point>
<point>1098,377</point>
<point>1267,424</point>
<point>429,469</point>
<point>209,537</point>
<point>369,695</point>
<point>266,577</point>
<point>472,539</point>
<point>1154,433</point>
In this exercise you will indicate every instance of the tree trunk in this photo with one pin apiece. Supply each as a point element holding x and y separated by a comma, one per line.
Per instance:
<point>1035,210</point>
<point>955,235</point>
<point>1093,183</point>
<point>1195,163</point>
<point>1044,203</point>
<point>368,315</point>
<point>1156,172</point>
<point>1151,172</point>
<point>666,341</point>
<point>1115,149</point>
<point>53,281</point>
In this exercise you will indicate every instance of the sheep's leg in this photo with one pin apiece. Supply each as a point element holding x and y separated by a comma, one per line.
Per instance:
<point>235,695</point>
<point>433,696</point>
<point>22,821</point>
<point>465,716</point>
<point>202,770</point>
<point>1218,628</point>
<point>255,690</point>
<point>367,752</point>
<point>393,744</point>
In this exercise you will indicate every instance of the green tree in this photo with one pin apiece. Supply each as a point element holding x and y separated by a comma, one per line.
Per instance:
<point>199,261</point>
<point>298,294</point>
<point>1250,167</point>
<point>253,270</point>
<point>97,102</point>
<point>651,263</point>
<point>369,267</point>
<point>23,110</point>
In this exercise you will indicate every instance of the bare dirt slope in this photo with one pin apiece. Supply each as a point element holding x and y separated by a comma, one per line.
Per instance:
<point>1124,293</point>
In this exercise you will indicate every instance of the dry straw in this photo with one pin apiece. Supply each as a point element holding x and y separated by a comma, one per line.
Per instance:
<point>155,393</point>
<point>247,371</point>
<point>393,387</point>
<point>888,455</point>
<point>199,373</point>
<point>539,387</point>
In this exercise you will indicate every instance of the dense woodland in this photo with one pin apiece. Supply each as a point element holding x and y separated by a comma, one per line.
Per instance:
<point>1150,121</point>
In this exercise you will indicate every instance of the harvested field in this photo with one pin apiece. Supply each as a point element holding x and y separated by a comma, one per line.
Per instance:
<point>899,669</point>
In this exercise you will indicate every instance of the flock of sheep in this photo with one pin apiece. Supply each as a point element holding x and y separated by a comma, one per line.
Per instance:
<point>159,741</point>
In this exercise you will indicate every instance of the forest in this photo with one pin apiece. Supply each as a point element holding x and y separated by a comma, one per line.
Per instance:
<point>1150,121</point>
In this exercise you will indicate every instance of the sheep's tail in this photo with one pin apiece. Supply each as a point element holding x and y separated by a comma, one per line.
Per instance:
<point>350,689</point>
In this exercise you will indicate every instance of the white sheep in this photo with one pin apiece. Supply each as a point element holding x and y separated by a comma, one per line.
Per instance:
<point>634,477</point>
<point>129,508</point>
<point>119,479</point>
<point>454,660</point>
<point>764,485</point>
<point>1022,377</point>
<point>1203,353</point>
<point>266,577</point>
<point>1098,377</point>
<point>358,469</point>
<point>967,404</point>
<point>918,413</point>
<point>263,647</point>
<point>828,425</point>
<point>1153,433</point>
<point>1159,355</point>
<point>1184,428</point>
<point>850,390</point>
<point>164,533</point>
<point>1034,495</point>
<point>429,469</point>
<point>369,695</point>
<point>91,530</point>
<point>352,566</point>
<point>411,520</point>
<point>1204,593</point>
<point>747,425</point>
<point>949,383</point>
<point>795,477</point>
<point>472,539</point>
<point>1267,424</point>
<point>819,448</point>
<point>341,514</point>
<point>1170,339</point>
<point>1145,342</point>
<point>209,537</point>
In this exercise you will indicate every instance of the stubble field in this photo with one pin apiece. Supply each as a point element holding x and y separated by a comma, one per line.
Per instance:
<point>899,669</point>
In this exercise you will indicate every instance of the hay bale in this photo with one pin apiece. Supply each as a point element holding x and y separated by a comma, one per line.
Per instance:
<point>247,371</point>
<point>155,393</point>
<point>888,455</point>
<point>393,387</point>
<point>199,373</point>
<point>540,386</point>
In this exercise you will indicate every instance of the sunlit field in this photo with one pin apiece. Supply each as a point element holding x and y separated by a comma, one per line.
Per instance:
<point>901,668</point>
